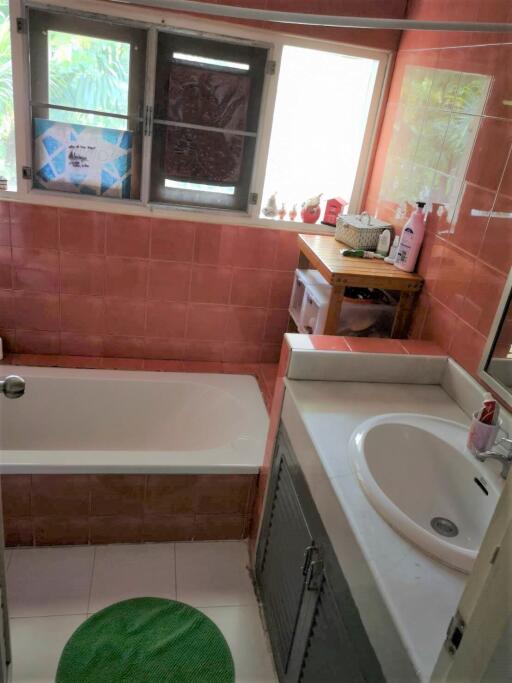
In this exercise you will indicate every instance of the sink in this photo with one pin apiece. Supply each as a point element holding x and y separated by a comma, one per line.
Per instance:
<point>417,473</point>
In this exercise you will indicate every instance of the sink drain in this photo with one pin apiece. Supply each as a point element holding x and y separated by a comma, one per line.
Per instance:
<point>444,527</point>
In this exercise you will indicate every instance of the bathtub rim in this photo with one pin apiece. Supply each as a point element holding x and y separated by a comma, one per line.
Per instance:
<point>221,460</point>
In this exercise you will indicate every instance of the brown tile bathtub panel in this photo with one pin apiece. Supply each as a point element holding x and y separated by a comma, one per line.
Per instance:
<point>113,494</point>
<point>61,530</point>
<point>219,527</point>
<point>60,494</point>
<point>115,529</point>
<point>251,496</point>
<point>168,528</point>
<point>220,494</point>
<point>18,531</point>
<point>16,495</point>
<point>171,494</point>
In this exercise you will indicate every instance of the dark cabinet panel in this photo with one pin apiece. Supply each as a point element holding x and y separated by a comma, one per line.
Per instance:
<point>281,563</point>
<point>329,655</point>
<point>315,629</point>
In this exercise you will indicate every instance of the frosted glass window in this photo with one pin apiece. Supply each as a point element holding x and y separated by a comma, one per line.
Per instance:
<point>321,113</point>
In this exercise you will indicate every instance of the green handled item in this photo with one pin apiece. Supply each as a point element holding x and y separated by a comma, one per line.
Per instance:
<point>360,253</point>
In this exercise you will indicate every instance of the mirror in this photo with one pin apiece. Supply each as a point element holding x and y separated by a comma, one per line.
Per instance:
<point>496,364</point>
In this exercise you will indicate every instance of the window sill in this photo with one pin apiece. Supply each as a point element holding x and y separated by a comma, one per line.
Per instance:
<point>136,208</point>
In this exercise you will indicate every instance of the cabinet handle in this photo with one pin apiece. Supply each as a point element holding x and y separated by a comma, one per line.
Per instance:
<point>308,554</point>
<point>315,571</point>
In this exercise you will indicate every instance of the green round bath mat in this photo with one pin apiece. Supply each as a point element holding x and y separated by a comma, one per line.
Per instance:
<point>147,640</point>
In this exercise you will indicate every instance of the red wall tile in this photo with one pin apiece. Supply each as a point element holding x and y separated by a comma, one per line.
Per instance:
<point>169,281</point>
<point>497,242</point>
<point>35,311</point>
<point>172,241</point>
<point>82,274</point>
<point>251,287</point>
<point>211,284</point>
<point>127,235</point>
<point>34,227</point>
<point>82,232</point>
<point>464,171</point>
<point>125,317</point>
<point>166,319</point>
<point>82,314</point>
<point>126,277</point>
<point>246,324</point>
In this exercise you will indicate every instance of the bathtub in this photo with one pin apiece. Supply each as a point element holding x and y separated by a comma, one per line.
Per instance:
<point>99,421</point>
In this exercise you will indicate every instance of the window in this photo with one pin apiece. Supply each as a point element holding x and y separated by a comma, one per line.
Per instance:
<point>207,106</point>
<point>320,119</point>
<point>87,94</point>
<point>7,141</point>
<point>125,109</point>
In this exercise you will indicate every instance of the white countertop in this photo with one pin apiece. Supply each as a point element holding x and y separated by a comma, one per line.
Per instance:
<point>420,593</point>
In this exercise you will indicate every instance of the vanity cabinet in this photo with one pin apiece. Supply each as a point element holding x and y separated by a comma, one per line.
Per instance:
<point>314,626</point>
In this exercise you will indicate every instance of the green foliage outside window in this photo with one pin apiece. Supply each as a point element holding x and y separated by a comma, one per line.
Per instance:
<point>88,73</point>
<point>7,143</point>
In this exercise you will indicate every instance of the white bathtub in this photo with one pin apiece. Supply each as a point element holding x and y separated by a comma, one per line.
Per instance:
<point>82,421</point>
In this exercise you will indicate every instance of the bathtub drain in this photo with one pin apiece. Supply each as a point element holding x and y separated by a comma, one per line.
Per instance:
<point>444,527</point>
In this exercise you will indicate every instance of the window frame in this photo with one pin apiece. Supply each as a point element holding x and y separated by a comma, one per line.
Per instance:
<point>63,21</point>
<point>155,20</point>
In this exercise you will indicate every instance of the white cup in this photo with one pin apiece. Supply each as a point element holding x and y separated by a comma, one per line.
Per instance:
<point>481,436</point>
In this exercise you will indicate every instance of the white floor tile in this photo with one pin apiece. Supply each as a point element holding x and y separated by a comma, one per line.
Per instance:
<point>132,571</point>
<point>49,581</point>
<point>213,574</point>
<point>243,631</point>
<point>37,644</point>
<point>7,557</point>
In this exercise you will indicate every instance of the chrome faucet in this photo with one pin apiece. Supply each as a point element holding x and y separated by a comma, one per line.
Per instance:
<point>504,458</point>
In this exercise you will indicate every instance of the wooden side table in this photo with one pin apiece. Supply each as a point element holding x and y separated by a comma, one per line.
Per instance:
<point>322,252</point>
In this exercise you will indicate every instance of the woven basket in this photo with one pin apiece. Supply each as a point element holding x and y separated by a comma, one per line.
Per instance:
<point>360,232</point>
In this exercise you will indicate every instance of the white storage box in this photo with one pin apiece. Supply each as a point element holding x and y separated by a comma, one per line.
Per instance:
<point>302,279</point>
<point>314,309</point>
<point>358,317</point>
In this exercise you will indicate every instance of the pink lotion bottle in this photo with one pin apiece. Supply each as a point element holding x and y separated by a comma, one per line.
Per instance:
<point>411,240</point>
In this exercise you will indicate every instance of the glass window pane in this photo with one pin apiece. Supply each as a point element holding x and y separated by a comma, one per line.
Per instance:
<point>317,132</point>
<point>7,143</point>
<point>88,73</point>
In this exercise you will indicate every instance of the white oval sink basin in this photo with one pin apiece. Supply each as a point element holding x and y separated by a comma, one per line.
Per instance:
<point>417,473</point>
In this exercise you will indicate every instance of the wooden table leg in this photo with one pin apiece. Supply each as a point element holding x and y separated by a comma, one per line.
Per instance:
<point>403,315</point>
<point>303,261</point>
<point>334,309</point>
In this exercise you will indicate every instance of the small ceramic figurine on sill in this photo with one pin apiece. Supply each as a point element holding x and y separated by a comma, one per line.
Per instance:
<point>282,212</point>
<point>270,210</point>
<point>293,213</point>
<point>311,209</point>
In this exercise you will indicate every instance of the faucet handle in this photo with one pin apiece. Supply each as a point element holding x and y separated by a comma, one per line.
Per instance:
<point>507,443</point>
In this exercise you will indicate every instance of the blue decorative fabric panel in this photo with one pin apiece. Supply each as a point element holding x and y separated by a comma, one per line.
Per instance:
<point>84,159</point>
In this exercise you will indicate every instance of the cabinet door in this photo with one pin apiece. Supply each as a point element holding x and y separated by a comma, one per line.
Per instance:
<point>329,655</point>
<point>282,561</point>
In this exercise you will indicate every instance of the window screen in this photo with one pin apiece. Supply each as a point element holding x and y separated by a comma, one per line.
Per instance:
<point>207,105</point>
<point>87,94</point>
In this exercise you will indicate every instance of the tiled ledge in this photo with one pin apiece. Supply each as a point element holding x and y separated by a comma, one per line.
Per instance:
<point>318,342</point>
